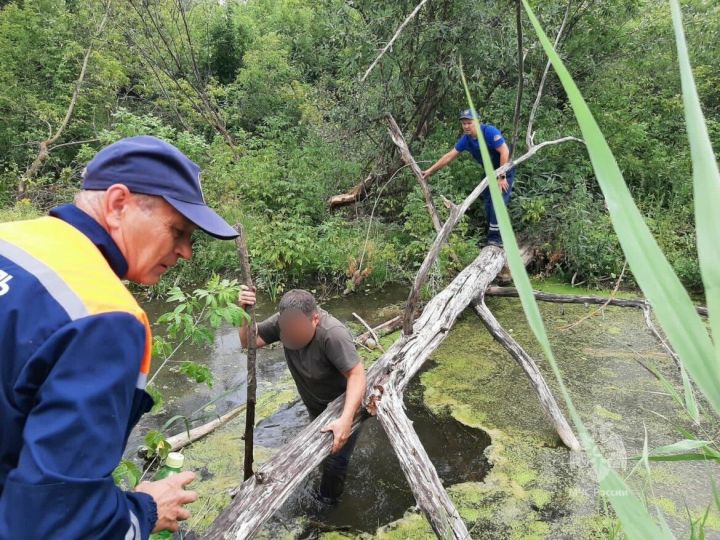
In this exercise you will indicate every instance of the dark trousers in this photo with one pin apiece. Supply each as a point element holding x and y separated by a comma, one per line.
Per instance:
<point>335,466</point>
<point>493,227</point>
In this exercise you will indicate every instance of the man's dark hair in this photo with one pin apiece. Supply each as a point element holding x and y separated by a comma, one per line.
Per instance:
<point>298,299</point>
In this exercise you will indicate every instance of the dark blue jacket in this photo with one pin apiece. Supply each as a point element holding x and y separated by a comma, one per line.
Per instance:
<point>74,356</point>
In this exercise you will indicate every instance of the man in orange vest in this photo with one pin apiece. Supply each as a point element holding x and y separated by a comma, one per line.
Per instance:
<point>75,346</point>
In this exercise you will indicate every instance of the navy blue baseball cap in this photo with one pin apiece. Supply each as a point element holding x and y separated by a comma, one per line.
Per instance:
<point>151,166</point>
<point>467,114</point>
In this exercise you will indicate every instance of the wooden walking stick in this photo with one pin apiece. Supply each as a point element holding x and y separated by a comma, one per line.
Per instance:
<point>251,399</point>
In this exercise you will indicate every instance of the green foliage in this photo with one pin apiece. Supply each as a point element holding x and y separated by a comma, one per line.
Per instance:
<point>199,373</point>
<point>283,78</point>
<point>197,315</point>
<point>195,318</point>
<point>42,43</point>
<point>156,446</point>
<point>590,246</point>
<point>127,475</point>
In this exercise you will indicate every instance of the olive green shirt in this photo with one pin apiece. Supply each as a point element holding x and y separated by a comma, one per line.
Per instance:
<point>318,369</point>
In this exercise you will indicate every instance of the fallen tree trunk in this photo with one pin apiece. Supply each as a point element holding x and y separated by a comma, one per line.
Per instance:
<point>262,494</point>
<point>579,299</point>
<point>424,482</point>
<point>525,361</point>
<point>181,440</point>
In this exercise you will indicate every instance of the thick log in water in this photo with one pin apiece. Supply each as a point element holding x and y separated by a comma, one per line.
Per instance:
<point>426,486</point>
<point>262,494</point>
<point>579,299</point>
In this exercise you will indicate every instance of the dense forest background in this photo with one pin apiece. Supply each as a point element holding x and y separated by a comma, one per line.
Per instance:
<point>268,97</point>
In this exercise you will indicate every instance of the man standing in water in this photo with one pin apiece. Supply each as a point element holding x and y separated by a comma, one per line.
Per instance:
<point>322,359</point>
<point>75,346</point>
<point>500,155</point>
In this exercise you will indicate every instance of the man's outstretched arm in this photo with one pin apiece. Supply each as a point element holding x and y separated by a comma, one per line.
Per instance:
<point>440,163</point>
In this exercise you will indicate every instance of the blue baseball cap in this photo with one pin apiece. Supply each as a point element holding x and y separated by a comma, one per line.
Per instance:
<point>467,114</point>
<point>151,166</point>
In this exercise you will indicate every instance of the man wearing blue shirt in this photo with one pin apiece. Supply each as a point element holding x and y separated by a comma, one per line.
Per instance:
<point>500,155</point>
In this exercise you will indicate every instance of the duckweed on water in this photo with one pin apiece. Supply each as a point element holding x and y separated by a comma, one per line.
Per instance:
<point>535,488</point>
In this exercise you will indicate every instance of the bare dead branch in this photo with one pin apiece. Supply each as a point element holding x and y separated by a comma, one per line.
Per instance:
<point>529,135</point>
<point>521,77</point>
<point>399,140</point>
<point>45,146</point>
<point>388,327</point>
<point>369,328</point>
<point>389,44</point>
